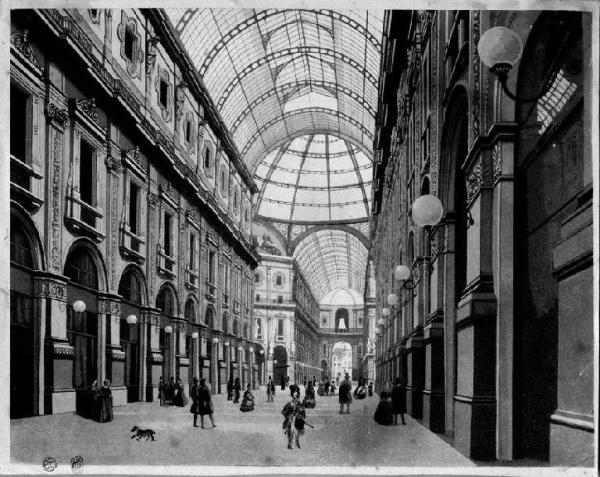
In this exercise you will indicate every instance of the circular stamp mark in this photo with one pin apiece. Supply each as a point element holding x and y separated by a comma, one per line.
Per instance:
<point>76,463</point>
<point>49,464</point>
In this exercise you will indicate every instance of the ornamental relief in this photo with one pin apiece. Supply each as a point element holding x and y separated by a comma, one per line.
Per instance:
<point>497,161</point>
<point>53,290</point>
<point>134,63</point>
<point>21,42</point>
<point>109,307</point>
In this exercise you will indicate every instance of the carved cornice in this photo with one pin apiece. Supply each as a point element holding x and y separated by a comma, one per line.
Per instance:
<point>88,107</point>
<point>152,199</point>
<point>61,349</point>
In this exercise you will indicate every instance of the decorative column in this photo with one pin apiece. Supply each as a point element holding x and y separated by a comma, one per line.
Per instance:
<point>475,398</point>
<point>154,358</point>
<point>111,358</point>
<point>55,394</point>
<point>434,405</point>
<point>214,370</point>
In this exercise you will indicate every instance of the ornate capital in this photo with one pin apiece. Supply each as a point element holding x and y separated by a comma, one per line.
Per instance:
<point>57,115</point>
<point>497,161</point>
<point>53,289</point>
<point>113,164</point>
<point>152,199</point>
<point>109,307</point>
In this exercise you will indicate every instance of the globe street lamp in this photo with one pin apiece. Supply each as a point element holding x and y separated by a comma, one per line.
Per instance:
<point>79,306</point>
<point>131,319</point>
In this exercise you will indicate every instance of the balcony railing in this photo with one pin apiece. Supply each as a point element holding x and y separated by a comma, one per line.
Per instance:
<point>131,245</point>
<point>83,218</point>
<point>22,180</point>
<point>191,278</point>
<point>165,263</point>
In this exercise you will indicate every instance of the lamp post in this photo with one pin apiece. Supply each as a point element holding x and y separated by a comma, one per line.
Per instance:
<point>499,49</point>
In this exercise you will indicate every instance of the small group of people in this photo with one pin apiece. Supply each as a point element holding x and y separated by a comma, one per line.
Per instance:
<point>171,394</point>
<point>102,402</point>
<point>201,402</point>
<point>392,401</point>
<point>361,390</point>
<point>234,388</point>
<point>326,388</point>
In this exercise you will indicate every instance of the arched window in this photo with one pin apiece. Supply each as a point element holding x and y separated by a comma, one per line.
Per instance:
<point>190,311</point>
<point>209,317</point>
<point>20,246</point>
<point>165,301</point>
<point>235,327</point>
<point>225,323</point>
<point>81,269</point>
<point>130,287</point>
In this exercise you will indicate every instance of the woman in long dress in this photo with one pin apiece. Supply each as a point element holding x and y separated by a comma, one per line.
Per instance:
<point>237,388</point>
<point>384,413</point>
<point>162,391</point>
<point>247,400</point>
<point>230,388</point>
<point>309,396</point>
<point>399,401</point>
<point>205,405</point>
<point>195,396</point>
<point>295,416</point>
<point>180,398</point>
<point>106,403</point>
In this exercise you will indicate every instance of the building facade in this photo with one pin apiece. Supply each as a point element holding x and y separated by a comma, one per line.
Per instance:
<point>130,214</point>
<point>285,312</point>
<point>492,333</point>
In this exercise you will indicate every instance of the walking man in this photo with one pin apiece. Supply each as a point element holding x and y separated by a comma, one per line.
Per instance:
<point>399,401</point>
<point>345,394</point>
<point>270,390</point>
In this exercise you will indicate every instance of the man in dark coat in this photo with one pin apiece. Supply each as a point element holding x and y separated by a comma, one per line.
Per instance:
<point>195,395</point>
<point>237,388</point>
<point>345,394</point>
<point>399,401</point>
<point>205,405</point>
<point>270,390</point>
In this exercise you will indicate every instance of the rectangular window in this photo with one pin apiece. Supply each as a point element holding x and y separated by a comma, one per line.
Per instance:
<point>163,93</point>
<point>87,179</point>
<point>278,280</point>
<point>280,328</point>
<point>129,44</point>
<point>257,297</point>
<point>167,235</point>
<point>18,122</point>
<point>133,207</point>
<point>279,298</point>
<point>211,267</point>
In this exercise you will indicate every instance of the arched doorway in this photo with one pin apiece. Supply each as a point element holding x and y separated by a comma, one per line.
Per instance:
<point>166,303</point>
<point>133,293</point>
<point>324,370</point>
<point>341,361</point>
<point>549,180</point>
<point>280,364</point>
<point>209,321</point>
<point>342,322</point>
<point>23,261</point>
<point>82,327</point>
<point>192,345</point>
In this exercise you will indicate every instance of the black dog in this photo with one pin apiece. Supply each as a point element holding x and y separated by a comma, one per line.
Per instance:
<point>139,433</point>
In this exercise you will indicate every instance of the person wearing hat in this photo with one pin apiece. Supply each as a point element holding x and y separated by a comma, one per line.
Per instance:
<point>294,414</point>
<point>345,394</point>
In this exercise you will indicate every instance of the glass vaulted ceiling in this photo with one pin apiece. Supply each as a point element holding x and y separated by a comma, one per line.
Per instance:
<point>298,91</point>
<point>315,178</point>
<point>275,75</point>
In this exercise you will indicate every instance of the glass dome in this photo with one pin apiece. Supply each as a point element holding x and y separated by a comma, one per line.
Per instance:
<point>315,178</point>
<point>343,296</point>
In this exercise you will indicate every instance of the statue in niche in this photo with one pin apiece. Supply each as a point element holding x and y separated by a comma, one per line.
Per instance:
<point>267,246</point>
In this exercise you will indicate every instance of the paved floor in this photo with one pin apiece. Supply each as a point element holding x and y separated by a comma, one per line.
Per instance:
<point>254,438</point>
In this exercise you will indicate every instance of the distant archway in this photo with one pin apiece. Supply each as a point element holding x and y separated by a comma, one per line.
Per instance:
<point>324,369</point>
<point>280,364</point>
<point>342,321</point>
<point>341,360</point>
